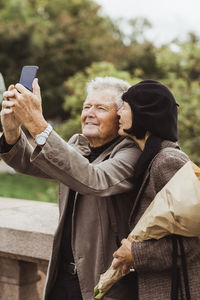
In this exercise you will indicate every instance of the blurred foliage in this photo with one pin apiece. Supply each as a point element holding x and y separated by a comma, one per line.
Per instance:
<point>72,42</point>
<point>61,37</point>
<point>188,98</point>
<point>181,73</point>
<point>31,189</point>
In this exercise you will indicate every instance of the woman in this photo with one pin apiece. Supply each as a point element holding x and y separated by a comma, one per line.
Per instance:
<point>149,116</point>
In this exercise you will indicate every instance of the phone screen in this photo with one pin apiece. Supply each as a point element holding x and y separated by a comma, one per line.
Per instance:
<point>27,76</point>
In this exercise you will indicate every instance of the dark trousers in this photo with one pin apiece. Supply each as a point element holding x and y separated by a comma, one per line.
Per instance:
<point>66,288</point>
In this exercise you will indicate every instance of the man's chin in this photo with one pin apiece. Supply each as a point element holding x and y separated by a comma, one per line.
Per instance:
<point>90,133</point>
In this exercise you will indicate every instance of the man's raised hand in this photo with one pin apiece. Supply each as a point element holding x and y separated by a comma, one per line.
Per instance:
<point>10,124</point>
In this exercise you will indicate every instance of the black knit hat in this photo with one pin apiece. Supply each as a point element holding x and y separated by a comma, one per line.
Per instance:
<point>154,109</point>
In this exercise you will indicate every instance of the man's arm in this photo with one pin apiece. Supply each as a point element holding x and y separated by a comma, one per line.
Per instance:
<point>63,163</point>
<point>112,176</point>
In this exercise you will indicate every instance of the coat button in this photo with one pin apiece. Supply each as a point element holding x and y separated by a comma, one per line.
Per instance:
<point>60,163</point>
<point>55,160</point>
<point>49,156</point>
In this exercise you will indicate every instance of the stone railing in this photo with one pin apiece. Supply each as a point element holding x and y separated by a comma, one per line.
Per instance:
<point>26,235</point>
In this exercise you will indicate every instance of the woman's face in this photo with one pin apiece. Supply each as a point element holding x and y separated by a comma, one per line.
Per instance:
<point>125,118</point>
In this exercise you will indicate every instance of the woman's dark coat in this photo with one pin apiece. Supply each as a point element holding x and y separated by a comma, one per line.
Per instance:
<point>153,258</point>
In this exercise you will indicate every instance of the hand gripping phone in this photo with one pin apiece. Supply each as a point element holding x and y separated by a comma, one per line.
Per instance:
<point>27,76</point>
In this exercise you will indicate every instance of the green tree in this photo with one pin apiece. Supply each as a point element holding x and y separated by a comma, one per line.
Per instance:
<point>169,61</point>
<point>139,54</point>
<point>61,37</point>
<point>184,61</point>
<point>190,59</point>
<point>189,112</point>
<point>188,98</point>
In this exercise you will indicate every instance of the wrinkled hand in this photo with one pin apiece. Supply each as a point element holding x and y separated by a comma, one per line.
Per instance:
<point>11,125</point>
<point>123,257</point>
<point>27,107</point>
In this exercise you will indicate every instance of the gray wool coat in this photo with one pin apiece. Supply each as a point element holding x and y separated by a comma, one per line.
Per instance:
<point>153,258</point>
<point>107,178</point>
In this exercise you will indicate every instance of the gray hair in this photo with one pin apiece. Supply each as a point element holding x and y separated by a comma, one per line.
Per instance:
<point>118,86</point>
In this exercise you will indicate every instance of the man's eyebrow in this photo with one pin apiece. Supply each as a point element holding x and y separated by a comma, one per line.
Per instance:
<point>103,104</point>
<point>98,104</point>
<point>84,103</point>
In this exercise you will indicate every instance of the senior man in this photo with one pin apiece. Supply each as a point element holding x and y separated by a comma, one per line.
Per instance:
<point>95,171</point>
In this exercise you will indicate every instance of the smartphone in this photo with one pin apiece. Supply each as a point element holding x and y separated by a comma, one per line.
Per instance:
<point>27,76</point>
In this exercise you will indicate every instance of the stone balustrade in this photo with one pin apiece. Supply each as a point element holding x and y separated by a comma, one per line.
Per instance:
<point>26,236</point>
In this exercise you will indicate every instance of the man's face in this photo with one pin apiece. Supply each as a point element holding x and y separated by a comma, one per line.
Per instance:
<point>99,118</point>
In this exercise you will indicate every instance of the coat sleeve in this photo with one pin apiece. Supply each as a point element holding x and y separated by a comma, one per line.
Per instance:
<point>68,166</point>
<point>156,255</point>
<point>60,161</point>
<point>18,157</point>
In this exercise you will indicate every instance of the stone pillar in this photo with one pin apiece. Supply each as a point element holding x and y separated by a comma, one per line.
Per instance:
<point>18,280</point>
<point>26,236</point>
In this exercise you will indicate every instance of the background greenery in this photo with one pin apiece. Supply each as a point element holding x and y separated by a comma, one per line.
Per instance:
<point>29,188</point>
<point>72,43</point>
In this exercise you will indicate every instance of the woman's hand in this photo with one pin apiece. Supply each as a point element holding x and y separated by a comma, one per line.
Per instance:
<point>123,257</point>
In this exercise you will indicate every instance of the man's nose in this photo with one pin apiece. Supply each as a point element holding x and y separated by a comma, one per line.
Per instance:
<point>91,112</point>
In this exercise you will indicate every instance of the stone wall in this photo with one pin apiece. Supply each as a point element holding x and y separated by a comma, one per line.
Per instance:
<point>26,235</point>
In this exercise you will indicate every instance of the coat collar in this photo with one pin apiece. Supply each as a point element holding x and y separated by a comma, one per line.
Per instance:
<point>81,144</point>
